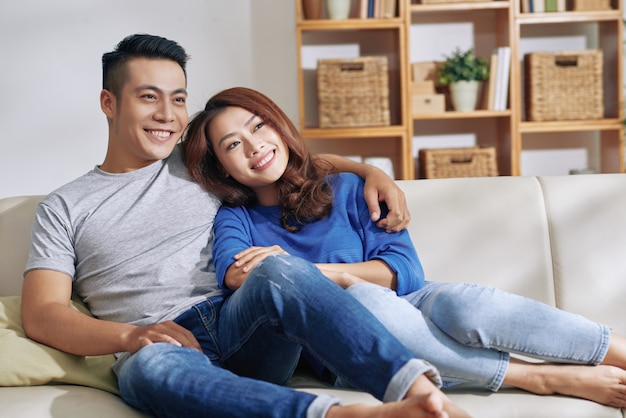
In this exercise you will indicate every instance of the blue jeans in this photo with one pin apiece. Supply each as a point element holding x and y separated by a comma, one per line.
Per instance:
<point>252,341</point>
<point>467,331</point>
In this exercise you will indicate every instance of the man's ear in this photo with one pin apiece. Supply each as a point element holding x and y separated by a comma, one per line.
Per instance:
<point>107,103</point>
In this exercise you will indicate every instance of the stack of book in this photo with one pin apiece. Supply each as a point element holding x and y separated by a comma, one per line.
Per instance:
<point>540,6</point>
<point>377,8</point>
<point>497,93</point>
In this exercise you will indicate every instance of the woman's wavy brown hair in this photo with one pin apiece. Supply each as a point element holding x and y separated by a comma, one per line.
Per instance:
<point>305,194</point>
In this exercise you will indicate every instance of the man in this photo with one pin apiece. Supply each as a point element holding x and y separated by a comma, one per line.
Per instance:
<point>130,238</point>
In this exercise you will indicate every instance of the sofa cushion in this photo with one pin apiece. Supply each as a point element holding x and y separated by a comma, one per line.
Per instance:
<point>25,362</point>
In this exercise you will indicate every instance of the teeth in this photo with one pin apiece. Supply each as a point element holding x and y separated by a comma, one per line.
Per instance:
<point>264,161</point>
<point>160,134</point>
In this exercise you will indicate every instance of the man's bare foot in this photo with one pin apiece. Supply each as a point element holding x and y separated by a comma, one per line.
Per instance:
<point>603,384</point>
<point>432,405</point>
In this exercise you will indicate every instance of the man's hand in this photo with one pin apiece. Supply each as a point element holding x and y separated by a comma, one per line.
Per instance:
<point>164,332</point>
<point>381,188</point>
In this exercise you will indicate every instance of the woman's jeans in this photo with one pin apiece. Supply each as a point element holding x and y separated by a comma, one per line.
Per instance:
<point>285,305</point>
<point>467,331</point>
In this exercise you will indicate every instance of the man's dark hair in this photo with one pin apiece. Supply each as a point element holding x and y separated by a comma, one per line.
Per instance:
<point>138,46</point>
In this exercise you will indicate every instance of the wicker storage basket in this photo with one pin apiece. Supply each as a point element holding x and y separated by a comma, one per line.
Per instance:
<point>353,92</point>
<point>564,86</point>
<point>457,162</point>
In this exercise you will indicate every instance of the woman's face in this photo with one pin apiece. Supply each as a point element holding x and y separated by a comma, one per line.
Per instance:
<point>251,152</point>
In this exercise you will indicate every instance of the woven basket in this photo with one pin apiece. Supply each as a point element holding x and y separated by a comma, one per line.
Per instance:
<point>353,92</point>
<point>564,85</point>
<point>457,162</point>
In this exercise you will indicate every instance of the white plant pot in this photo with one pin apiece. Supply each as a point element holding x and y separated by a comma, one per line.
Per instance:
<point>338,9</point>
<point>464,95</point>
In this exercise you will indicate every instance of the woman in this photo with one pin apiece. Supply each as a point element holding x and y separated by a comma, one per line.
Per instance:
<point>278,199</point>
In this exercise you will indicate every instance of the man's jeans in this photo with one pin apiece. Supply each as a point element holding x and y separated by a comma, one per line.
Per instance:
<point>285,305</point>
<point>467,331</point>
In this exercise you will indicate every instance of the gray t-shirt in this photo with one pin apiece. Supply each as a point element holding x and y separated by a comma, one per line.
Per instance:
<point>137,244</point>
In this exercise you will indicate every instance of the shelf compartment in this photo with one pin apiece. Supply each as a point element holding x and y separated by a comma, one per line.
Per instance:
<point>571,126</point>
<point>320,45</point>
<point>384,145</point>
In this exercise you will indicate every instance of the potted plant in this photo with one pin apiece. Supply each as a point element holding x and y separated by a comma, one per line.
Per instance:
<point>463,71</point>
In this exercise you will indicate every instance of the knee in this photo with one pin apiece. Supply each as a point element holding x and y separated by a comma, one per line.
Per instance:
<point>152,363</point>
<point>284,272</point>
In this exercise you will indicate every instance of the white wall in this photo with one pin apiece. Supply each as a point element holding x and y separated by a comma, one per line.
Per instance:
<point>53,129</point>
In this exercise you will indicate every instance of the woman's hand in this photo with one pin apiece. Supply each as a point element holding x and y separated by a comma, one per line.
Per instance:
<point>343,279</point>
<point>245,261</point>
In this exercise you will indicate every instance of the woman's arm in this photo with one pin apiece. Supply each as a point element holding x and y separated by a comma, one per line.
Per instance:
<point>379,187</point>
<point>374,271</point>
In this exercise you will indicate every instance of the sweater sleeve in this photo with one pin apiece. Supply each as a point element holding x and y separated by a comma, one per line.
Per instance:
<point>231,235</point>
<point>395,249</point>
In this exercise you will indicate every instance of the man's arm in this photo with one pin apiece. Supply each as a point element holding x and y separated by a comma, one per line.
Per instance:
<point>379,187</point>
<point>48,318</point>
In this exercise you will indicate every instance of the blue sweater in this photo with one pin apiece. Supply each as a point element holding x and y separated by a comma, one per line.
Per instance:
<point>346,235</point>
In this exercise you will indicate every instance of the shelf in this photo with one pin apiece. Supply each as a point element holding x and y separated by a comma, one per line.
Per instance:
<point>571,126</point>
<point>463,115</point>
<point>459,7</point>
<point>568,17</point>
<point>493,24</point>
<point>349,24</point>
<point>354,132</point>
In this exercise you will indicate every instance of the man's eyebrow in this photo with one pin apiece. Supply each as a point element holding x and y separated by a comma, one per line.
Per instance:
<point>159,90</point>
<point>225,137</point>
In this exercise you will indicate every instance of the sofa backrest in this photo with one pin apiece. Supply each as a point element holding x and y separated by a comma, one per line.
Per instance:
<point>587,216</point>
<point>16,218</point>
<point>560,240</point>
<point>491,231</point>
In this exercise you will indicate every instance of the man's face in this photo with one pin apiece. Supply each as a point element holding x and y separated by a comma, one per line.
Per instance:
<point>148,116</point>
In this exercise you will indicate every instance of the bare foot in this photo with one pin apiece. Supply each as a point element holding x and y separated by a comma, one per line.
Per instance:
<point>431,405</point>
<point>603,384</point>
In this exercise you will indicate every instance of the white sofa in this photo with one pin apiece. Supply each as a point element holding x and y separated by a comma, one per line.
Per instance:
<point>560,240</point>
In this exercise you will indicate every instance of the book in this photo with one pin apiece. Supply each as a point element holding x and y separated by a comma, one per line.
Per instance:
<point>502,82</point>
<point>539,6</point>
<point>550,5</point>
<point>388,8</point>
<point>363,6</point>
<point>490,94</point>
<point>526,6</point>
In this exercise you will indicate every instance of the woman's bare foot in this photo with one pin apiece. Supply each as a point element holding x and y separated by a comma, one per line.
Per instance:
<point>603,384</point>
<point>431,405</point>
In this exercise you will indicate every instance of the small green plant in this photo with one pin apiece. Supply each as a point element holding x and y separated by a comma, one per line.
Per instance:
<point>462,66</point>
